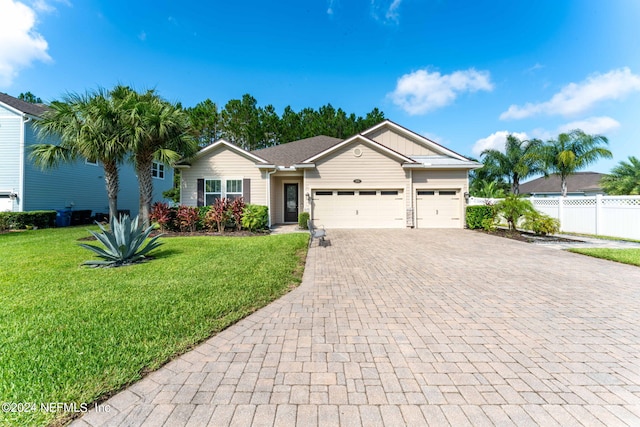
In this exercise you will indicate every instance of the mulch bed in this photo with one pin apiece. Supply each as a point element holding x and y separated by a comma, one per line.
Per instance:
<point>523,236</point>
<point>242,233</point>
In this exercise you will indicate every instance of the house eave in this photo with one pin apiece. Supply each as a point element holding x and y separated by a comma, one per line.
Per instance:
<point>304,165</point>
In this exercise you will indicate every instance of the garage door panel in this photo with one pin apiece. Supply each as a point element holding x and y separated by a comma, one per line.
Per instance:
<point>438,208</point>
<point>359,208</point>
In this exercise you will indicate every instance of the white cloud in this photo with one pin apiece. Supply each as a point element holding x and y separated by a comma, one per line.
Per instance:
<point>142,36</point>
<point>330,8</point>
<point>422,91</point>
<point>495,141</point>
<point>20,44</point>
<point>46,6</point>
<point>389,11</point>
<point>576,98</point>
<point>592,125</point>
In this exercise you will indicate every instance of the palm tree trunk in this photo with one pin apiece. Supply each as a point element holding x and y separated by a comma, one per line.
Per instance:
<point>145,181</point>
<point>112,182</point>
<point>515,186</point>
<point>563,185</point>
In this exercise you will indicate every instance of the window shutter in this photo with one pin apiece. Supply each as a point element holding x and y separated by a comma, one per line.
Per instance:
<point>201,192</point>
<point>246,190</point>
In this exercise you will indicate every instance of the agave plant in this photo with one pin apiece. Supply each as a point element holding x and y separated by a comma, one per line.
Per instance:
<point>122,243</point>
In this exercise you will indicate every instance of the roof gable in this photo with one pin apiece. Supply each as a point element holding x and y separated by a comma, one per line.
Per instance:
<point>221,143</point>
<point>428,144</point>
<point>21,106</point>
<point>360,138</point>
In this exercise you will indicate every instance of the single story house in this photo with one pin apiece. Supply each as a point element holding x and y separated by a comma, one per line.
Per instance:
<point>579,184</point>
<point>78,186</point>
<point>384,177</point>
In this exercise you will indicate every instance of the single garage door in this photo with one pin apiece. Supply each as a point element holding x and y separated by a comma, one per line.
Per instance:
<point>438,208</point>
<point>359,208</point>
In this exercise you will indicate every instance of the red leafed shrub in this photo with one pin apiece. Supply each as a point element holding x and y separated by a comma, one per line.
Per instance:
<point>162,214</point>
<point>187,218</point>
<point>237,208</point>
<point>219,214</point>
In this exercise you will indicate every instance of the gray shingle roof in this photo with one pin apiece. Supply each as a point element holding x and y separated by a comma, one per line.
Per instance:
<point>296,151</point>
<point>20,105</point>
<point>577,183</point>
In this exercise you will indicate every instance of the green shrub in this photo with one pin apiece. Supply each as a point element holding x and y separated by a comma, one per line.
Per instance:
<point>489,224</point>
<point>540,223</point>
<point>255,217</point>
<point>20,220</point>
<point>476,215</point>
<point>512,208</point>
<point>122,243</point>
<point>303,219</point>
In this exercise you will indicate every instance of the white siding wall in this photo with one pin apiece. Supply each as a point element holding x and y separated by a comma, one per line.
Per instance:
<point>223,162</point>
<point>10,130</point>
<point>400,144</point>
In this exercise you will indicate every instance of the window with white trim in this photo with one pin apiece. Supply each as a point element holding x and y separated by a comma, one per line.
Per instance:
<point>157,170</point>
<point>234,189</point>
<point>92,162</point>
<point>214,189</point>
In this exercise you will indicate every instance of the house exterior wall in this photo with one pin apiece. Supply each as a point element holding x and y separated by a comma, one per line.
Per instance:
<point>222,163</point>
<point>440,179</point>
<point>10,134</point>
<point>401,144</point>
<point>81,186</point>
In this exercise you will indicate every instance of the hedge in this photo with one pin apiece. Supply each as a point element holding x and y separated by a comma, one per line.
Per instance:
<point>19,220</point>
<point>476,214</point>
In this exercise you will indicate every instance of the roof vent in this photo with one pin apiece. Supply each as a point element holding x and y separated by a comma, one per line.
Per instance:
<point>357,152</point>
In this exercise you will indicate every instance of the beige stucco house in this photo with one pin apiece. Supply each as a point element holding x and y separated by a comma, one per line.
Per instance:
<point>384,177</point>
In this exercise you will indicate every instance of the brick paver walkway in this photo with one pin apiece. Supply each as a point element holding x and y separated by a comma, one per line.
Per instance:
<point>415,327</point>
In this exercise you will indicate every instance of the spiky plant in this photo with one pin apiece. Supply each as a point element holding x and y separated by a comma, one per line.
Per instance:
<point>122,243</point>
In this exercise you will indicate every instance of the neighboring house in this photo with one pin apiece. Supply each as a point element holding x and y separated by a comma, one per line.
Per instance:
<point>78,186</point>
<point>385,177</point>
<point>578,184</point>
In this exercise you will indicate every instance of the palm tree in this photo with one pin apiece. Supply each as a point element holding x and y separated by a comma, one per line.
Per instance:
<point>520,160</point>
<point>156,130</point>
<point>571,152</point>
<point>624,178</point>
<point>88,127</point>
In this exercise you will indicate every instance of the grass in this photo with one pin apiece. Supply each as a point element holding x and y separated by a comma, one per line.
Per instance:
<point>626,256</point>
<point>73,334</point>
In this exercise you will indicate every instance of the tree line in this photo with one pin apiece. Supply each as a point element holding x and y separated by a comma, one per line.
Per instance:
<point>244,123</point>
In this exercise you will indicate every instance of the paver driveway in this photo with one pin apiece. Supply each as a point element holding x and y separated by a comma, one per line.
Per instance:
<point>416,327</point>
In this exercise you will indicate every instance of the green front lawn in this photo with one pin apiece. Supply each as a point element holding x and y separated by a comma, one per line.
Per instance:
<point>73,334</point>
<point>627,256</point>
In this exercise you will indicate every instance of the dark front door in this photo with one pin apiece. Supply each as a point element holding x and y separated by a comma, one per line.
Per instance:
<point>290,202</point>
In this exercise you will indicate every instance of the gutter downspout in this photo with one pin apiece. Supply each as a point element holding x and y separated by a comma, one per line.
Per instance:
<point>23,155</point>
<point>269,173</point>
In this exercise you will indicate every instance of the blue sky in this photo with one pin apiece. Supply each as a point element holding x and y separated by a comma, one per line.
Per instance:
<point>462,73</point>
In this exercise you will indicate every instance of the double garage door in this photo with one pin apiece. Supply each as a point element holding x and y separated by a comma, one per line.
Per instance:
<point>359,208</point>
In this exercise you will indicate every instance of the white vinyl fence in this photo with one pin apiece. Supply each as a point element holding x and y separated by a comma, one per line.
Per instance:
<point>617,216</point>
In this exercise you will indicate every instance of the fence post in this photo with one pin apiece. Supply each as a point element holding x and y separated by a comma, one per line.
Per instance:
<point>598,213</point>
<point>560,211</point>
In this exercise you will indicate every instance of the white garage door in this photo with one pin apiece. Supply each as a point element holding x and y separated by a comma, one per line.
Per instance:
<point>6,204</point>
<point>438,209</point>
<point>359,208</point>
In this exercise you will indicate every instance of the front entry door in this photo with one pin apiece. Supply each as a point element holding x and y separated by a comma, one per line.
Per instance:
<point>290,202</point>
